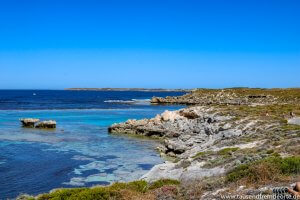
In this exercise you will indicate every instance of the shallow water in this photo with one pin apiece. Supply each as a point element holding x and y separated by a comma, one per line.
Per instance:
<point>79,152</point>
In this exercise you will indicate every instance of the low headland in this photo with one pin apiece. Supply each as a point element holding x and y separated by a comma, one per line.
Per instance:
<point>129,89</point>
<point>225,142</point>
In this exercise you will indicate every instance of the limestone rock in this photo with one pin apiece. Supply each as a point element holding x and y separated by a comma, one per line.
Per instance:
<point>29,122</point>
<point>170,170</point>
<point>294,121</point>
<point>166,170</point>
<point>155,100</point>
<point>186,132</point>
<point>169,116</point>
<point>46,124</point>
<point>190,114</point>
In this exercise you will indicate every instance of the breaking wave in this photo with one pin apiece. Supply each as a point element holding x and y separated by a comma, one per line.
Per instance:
<point>128,101</point>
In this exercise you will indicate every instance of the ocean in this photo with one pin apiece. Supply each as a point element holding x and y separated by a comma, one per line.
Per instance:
<point>79,152</point>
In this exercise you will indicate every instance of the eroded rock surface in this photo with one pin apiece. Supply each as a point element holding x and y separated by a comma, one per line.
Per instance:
<point>185,133</point>
<point>35,123</point>
<point>29,122</point>
<point>46,124</point>
<point>294,121</point>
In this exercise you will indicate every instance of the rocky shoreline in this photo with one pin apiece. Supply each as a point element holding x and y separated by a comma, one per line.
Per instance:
<point>219,131</point>
<point>187,132</point>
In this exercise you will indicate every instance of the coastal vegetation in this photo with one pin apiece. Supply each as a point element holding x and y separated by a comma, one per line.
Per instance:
<point>274,168</point>
<point>132,190</point>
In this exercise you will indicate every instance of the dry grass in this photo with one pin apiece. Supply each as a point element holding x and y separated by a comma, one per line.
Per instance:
<point>133,195</point>
<point>269,170</point>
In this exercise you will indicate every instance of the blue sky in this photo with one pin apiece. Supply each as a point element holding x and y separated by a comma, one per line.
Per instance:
<point>55,44</point>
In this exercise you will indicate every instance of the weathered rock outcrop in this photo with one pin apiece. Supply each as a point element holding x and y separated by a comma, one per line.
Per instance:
<point>294,121</point>
<point>183,130</point>
<point>35,123</point>
<point>46,124</point>
<point>185,133</point>
<point>169,170</point>
<point>29,122</point>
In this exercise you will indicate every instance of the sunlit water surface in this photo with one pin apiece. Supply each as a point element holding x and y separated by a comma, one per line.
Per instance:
<point>79,152</point>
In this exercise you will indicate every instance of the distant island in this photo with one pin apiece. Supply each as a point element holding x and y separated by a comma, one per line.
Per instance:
<point>130,89</point>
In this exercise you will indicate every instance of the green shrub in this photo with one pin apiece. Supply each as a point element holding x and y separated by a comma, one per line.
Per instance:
<point>265,170</point>
<point>138,186</point>
<point>227,151</point>
<point>163,182</point>
<point>100,193</point>
<point>270,151</point>
<point>238,173</point>
<point>203,154</point>
<point>61,194</point>
<point>290,165</point>
<point>275,154</point>
<point>199,154</point>
<point>113,191</point>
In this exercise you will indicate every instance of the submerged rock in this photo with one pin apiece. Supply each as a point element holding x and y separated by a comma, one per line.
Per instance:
<point>46,124</point>
<point>29,122</point>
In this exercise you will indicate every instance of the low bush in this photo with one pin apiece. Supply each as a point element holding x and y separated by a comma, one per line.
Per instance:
<point>227,151</point>
<point>163,182</point>
<point>114,191</point>
<point>269,169</point>
<point>198,155</point>
<point>138,186</point>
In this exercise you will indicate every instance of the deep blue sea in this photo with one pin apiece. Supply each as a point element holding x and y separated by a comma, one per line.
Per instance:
<point>79,152</point>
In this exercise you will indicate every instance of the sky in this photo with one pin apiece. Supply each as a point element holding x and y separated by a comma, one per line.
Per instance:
<point>56,44</point>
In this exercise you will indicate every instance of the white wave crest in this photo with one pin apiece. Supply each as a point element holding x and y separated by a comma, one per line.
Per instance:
<point>128,101</point>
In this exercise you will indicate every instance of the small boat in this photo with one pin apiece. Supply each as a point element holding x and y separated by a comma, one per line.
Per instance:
<point>34,94</point>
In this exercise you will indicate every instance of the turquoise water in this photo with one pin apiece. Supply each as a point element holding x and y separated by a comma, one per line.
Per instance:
<point>79,152</point>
